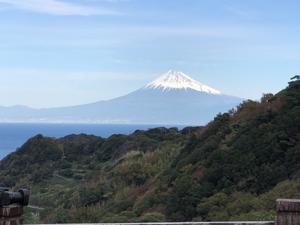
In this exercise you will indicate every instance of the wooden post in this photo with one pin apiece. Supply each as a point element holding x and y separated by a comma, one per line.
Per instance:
<point>11,215</point>
<point>288,212</point>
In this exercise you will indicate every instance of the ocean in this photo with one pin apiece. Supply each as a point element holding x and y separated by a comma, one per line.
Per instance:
<point>14,135</point>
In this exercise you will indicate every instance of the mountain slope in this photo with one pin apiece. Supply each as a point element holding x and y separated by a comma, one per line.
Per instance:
<point>232,169</point>
<point>173,98</point>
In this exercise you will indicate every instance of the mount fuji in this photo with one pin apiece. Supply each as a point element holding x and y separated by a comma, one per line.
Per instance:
<point>174,98</point>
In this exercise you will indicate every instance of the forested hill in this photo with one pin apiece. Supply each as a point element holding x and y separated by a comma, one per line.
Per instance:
<point>232,169</point>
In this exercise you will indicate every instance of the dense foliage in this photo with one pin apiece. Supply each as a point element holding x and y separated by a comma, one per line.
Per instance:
<point>232,169</point>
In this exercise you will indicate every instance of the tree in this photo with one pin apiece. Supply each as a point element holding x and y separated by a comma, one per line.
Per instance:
<point>266,98</point>
<point>296,77</point>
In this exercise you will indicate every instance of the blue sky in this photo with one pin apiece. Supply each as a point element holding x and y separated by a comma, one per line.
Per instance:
<point>60,52</point>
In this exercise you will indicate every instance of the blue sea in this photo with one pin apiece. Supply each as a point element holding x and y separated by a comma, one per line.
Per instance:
<point>13,136</point>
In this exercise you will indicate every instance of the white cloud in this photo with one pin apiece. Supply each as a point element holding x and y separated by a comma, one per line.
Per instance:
<point>57,7</point>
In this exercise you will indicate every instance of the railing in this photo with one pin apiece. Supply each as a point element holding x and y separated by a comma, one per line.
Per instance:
<point>185,223</point>
<point>288,213</point>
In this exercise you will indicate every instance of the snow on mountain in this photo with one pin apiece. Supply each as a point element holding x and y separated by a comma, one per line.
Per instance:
<point>178,80</point>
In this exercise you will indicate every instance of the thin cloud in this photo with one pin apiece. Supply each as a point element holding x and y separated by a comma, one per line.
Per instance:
<point>57,7</point>
<point>242,12</point>
<point>50,76</point>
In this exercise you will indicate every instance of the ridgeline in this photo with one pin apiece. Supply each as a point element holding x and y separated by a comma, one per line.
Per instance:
<point>232,169</point>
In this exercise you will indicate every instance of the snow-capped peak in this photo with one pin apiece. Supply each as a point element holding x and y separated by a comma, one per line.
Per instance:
<point>178,80</point>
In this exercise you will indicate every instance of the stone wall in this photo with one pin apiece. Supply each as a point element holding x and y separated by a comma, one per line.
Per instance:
<point>11,215</point>
<point>288,212</point>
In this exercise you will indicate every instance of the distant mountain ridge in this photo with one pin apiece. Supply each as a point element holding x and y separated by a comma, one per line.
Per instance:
<point>174,98</point>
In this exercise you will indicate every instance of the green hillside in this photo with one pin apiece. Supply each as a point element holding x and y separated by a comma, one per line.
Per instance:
<point>232,169</point>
